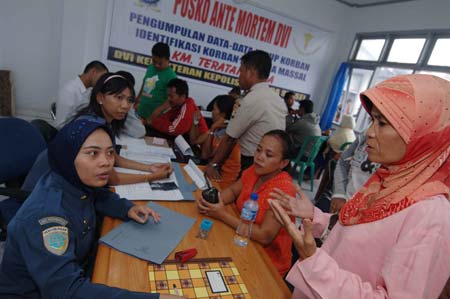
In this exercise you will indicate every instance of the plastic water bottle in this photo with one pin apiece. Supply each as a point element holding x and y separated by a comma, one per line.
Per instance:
<point>248,216</point>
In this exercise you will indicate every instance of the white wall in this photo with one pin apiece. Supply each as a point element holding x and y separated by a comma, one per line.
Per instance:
<point>65,36</point>
<point>30,35</point>
<point>408,16</point>
<point>416,15</point>
<point>48,42</point>
<point>328,15</point>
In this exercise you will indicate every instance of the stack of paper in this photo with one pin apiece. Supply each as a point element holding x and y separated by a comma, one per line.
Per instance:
<point>144,157</point>
<point>138,148</point>
<point>161,151</point>
<point>131,143</point>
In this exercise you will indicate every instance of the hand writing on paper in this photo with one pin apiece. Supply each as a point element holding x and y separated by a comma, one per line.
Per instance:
<point>160,171</point>
<point>303,242</point>
<point>140,213</point>
<point>300,207</point>
<point>213,210</point>
<point>160,166</point>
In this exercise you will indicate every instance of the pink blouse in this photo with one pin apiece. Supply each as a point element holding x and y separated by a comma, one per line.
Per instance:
<point>406,255</point>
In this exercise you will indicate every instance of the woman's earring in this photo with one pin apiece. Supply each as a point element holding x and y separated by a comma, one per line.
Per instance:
<point>101,103</point>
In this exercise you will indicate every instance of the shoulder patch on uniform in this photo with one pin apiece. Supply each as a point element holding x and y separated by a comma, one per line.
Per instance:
<point>53,219</point>
<point>56,239</point>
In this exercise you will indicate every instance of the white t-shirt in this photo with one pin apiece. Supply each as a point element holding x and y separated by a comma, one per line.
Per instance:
<point>70,97</point>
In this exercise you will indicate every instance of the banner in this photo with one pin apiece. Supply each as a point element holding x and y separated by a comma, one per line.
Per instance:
<point>207,39</point>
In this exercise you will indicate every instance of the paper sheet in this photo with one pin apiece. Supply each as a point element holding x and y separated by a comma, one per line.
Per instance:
<point>131,143</point>
<point>158,141</point>
<point>150,241</point>
<point>196,175</point>
<point>183,146</point>
<point>143,191</point>
<point>161,151</point>
<point>144,157</point>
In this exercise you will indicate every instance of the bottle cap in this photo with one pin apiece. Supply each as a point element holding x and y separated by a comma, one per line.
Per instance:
<point>206,224</point>
<point>254,196</point>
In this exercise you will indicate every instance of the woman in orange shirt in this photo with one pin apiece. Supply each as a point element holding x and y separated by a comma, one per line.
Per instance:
<point>268,172</point>
<point>221,114</point>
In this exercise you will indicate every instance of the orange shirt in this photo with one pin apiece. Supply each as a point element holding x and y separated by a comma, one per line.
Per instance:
<point>279,250</point>
<point>232,165</point>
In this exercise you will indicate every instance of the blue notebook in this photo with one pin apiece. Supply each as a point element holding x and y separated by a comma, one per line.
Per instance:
<point>150,241</point>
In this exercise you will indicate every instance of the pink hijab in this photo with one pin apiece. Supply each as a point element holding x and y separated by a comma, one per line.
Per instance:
<point>417,106</point>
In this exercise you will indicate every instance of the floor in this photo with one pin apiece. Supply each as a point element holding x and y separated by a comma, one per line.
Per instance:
<point>306,188</point>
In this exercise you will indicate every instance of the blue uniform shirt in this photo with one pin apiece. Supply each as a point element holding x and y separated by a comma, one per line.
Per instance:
<point>50,238</point>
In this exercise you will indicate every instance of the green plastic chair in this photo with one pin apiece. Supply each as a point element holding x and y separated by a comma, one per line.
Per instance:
<point>316,142</point>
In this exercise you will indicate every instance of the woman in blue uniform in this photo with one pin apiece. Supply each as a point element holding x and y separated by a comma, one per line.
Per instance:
<point>53,232</point>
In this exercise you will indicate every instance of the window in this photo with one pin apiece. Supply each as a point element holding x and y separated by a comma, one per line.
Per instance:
<point>406,50</point>
<point>441,53</point>
<point>370,49</point>
<point>349,103</point>
<point>380,56</point>
<point>383,73</point>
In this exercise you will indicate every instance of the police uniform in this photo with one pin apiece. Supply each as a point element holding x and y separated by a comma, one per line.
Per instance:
<point>50,238</point>
<point>53,232</point>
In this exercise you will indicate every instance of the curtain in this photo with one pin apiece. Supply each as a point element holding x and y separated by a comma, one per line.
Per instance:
<point>326,119</point>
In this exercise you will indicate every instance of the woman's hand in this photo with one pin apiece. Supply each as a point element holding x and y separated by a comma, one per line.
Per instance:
<point>160,171</point>
<point>140,213</point>
<point>158,175</point>
<point>216,210</point>
<point>218,124</point>
<point>303,242</point>
<point>160,166</point>
<point>301,207</point>
<point>336,204</point>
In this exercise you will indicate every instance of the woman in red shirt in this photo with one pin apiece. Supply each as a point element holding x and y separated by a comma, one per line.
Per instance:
<point>267,172</point>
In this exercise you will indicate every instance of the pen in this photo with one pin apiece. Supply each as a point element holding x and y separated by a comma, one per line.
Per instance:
<point>176,290</point>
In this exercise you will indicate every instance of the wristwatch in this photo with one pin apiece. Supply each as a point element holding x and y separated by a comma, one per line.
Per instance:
<point>215,166</point>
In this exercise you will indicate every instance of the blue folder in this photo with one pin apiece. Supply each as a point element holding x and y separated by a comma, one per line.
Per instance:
<point>150,241</point>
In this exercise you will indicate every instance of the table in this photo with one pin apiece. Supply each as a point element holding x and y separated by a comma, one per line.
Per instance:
<point>117,269</point>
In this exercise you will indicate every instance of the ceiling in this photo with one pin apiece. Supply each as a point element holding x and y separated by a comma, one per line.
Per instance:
<point>366,3</point>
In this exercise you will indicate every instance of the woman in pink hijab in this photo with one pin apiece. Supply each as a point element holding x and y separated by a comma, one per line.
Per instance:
<point>393,236</point>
